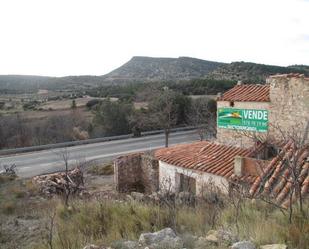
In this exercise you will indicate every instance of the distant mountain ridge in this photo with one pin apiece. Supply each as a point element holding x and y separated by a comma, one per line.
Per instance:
<point>144,69</point>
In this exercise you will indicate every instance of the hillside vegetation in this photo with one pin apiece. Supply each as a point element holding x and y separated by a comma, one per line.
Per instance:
<point>157,69</point>
<point>26,83</point>
<point>252,72</point>
<point>148,69</point>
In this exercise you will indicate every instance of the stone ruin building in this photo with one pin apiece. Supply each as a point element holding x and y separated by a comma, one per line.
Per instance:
<point>248,115</point>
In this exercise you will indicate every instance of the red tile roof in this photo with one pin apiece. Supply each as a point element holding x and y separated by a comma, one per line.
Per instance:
<point>276,181</point>
<point>247,92</point>
<point>204,156</point>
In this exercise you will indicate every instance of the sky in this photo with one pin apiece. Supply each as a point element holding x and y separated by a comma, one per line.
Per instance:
<point>93,37</point>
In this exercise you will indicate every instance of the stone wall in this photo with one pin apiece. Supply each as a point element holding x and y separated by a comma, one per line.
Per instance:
<point>136,172</point>
<point>289,106</point>
<point>128,173</point>
<point>150,173</point>
<point>235,137</point>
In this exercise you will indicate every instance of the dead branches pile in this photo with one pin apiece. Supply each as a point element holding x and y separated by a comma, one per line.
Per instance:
<point>9,170</point>
<point>61,183</point>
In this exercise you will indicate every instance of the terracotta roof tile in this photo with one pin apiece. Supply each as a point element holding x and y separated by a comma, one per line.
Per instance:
<point>276,180</point>
<point>247,92</point>
<point>204,156</point>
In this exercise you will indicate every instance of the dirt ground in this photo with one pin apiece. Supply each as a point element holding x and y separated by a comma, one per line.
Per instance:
<point>103,184</point>
<point>24,217</point>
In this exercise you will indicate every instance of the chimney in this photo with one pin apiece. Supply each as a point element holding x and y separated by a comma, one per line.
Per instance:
<point>219,95</point>
<point>239,83</point>
<point>238,165</point>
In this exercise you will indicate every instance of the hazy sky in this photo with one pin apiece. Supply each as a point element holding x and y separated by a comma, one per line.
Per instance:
<point>74,37</point>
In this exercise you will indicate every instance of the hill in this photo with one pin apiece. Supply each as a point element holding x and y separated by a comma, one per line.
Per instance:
<point>161,69</point>
<point>253,72</point>
<point>24,83</point>
<point>148,69</point>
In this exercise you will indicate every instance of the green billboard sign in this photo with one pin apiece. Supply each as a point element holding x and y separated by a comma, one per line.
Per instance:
<point>243,119</point>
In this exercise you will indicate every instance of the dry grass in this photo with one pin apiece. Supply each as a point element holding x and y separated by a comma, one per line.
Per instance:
<point>265,224</point>
<point>103,222</point>
<point>6,178</point>
<point>64,104</point>
<point>105,169</point>
<point>106,222</point>
<point>15,196</point>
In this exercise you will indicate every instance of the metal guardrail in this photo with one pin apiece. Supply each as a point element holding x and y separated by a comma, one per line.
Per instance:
<point>87,141</point>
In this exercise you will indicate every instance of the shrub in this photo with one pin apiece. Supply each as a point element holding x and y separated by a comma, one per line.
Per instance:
<point>91,103</point>
<point>79,134</point>
<point>31,105</point>
<point>297,233</point>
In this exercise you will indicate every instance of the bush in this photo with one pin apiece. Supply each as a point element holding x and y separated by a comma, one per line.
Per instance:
<point>113,117</point>
<point>297,233</point>
<point>31,105</point>
<point>91,103</point>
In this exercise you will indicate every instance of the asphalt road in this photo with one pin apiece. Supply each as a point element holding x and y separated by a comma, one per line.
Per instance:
<point>36,163</point>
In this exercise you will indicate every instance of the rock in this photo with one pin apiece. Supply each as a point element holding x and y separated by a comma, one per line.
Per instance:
<point>125,245</point>
<point>216,237</point>
<point>92,247</point>
<point>212,236</point>
<point>154,197</point>
<point>165,238</point>
<point>129,198</point>
<point>168,243</point>
<point>172,243</point>
<point>227,237</point>
<point>201,243</point>
<point>130,245</point>
<point>274,246</point>
<point>189,240</point>
<point>243,245</point>
<point>138,196</point>
<point>151,238</point>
